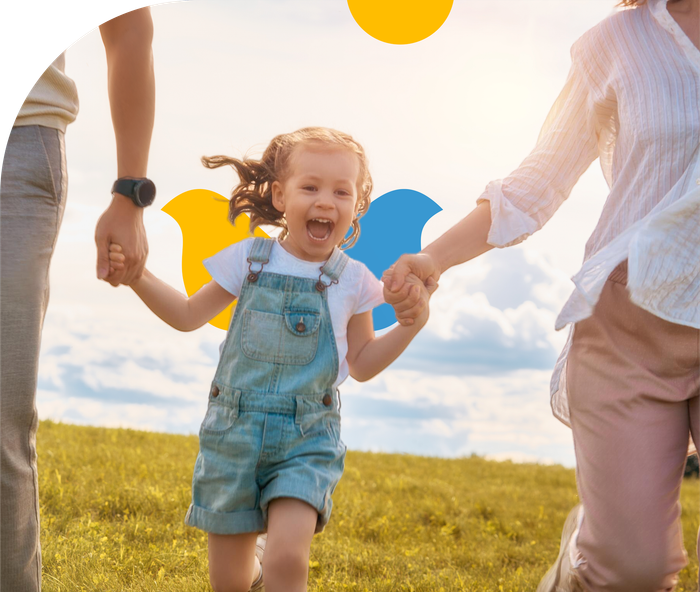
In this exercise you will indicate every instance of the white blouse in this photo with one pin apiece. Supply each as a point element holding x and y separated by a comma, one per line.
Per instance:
<point>632,99</point>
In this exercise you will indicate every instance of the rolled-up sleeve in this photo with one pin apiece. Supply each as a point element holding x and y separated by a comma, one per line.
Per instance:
<point>522,202</point>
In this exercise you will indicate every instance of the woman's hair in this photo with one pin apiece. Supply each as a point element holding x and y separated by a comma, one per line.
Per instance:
<point>254,192</point>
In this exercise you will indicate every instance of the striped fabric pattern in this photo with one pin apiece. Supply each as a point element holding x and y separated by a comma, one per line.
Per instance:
<point>632,99</point>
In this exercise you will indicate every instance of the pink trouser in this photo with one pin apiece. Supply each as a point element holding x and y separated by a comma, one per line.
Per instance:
<point>634,381</point>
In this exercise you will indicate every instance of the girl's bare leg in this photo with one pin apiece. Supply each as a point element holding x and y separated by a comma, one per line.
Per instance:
<point>291,526</point>
<point>232,563</point>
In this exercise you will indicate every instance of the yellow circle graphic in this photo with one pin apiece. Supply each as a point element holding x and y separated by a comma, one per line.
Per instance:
<point>400,21</point>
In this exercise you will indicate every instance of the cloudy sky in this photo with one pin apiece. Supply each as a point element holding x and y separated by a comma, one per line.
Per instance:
<point>443,116</point>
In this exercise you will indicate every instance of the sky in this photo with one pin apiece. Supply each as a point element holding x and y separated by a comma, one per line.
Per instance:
<point>443,116</point>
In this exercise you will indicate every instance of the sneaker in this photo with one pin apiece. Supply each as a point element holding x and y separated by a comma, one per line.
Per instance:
<point>561,576</point>
<point>258,585</point>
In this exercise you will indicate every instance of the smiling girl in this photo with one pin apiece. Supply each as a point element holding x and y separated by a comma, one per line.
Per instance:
<point>270,448</point>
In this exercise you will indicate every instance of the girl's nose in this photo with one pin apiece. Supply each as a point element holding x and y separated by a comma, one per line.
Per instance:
<point>325,199</point>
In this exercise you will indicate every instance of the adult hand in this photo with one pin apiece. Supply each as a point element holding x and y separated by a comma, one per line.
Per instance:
<point>122,223</point>
<point>397,292</point>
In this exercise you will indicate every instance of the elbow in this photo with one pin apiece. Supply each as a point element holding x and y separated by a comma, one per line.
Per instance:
<point>360,376</point>
<point>183,326</point>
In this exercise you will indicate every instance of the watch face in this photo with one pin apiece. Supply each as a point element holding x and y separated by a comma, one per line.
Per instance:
<point>145,192</point>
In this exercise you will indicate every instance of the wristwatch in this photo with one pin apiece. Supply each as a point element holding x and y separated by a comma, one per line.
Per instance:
<point>141,191</point>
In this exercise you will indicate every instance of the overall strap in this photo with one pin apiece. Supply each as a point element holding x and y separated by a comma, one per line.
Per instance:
<point>261,249</point>
<point>259,253</point>
<point>335,265</point>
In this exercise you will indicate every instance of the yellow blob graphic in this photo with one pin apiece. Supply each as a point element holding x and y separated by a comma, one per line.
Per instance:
<point>203,219</point>
<point>400,21</point>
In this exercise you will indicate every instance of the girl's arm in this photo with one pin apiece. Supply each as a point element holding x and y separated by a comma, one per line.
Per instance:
<point>176,309</point>
<point>369,355</point>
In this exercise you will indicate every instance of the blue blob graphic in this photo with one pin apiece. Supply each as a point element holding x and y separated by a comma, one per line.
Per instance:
<point>393,226</point>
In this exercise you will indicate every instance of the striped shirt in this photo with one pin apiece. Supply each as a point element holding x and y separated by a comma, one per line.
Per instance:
<point>632,99</point>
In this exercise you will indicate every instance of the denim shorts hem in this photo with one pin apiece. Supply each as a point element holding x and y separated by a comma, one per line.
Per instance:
<point>322,506</point>
<point>225,522</point>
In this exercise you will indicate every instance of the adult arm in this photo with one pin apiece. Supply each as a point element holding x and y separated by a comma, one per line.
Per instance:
<point>131,85</point>
<point>512,209</point>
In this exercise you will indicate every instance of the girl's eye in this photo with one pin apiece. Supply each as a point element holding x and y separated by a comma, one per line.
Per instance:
<point>309,188</point>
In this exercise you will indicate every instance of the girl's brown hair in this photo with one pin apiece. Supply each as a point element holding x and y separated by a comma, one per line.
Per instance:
<point>253,194</point>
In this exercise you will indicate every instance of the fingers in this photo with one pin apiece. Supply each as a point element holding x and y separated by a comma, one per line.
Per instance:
<point>135,270</point>
<point>123,271</point>
<point>116,258</point>
<point>102,257</point>
<point>398,299</point>
<point>431,285</point>
<point>399,271</point>
<point>413,307</point>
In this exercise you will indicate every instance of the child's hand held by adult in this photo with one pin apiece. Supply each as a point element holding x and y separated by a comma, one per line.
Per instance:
<point>401,294</point>
<point>122,223</point>
<point>116,258</point>
<point>420,293</point>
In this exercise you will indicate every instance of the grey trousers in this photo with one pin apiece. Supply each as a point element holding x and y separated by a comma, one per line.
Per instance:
<point>32,200</point>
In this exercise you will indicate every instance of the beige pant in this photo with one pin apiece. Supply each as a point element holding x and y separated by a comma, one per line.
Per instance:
<point>634,383</point>
<point>32,199</point>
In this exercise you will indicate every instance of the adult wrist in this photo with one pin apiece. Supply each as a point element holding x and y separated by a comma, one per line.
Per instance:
<point>435,262</point>
<point>140,190</point>
<point>125,205</point>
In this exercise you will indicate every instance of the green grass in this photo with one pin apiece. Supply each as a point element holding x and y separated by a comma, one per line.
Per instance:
<point>113,503</point>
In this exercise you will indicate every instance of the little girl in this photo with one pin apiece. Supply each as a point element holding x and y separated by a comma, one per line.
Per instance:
<point>270,449</point>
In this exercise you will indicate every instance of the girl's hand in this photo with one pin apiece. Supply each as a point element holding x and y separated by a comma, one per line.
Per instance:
<point>419,293</point>
<point>406,300</point>
<point>116,258</point>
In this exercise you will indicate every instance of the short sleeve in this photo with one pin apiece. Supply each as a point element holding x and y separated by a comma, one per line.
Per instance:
<point>371,293</point>
<point>525,200</point>
<point>228,267</point>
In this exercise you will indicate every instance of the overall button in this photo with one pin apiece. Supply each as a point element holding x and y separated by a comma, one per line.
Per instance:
<point>215,391</point>
<point>301,327</point>
<point>327,400</point>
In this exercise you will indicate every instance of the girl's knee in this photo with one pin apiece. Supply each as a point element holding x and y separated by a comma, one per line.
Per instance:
<point>286,560</point>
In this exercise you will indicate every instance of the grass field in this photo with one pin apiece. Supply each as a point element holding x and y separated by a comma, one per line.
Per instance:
<point>113,503</point>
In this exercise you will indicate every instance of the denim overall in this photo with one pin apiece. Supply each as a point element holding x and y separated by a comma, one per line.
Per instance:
<point>272,428</point>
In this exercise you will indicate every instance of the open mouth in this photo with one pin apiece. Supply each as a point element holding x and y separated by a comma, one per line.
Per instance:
<point>319,229</point>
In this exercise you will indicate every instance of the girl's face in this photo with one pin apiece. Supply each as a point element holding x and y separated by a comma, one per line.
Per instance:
<point>318,198</point>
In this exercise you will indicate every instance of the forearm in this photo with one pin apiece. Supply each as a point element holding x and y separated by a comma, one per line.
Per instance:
<point>464,241</point>
<point>131,83</point>
<point>167,303</point>
<point>379,352</point>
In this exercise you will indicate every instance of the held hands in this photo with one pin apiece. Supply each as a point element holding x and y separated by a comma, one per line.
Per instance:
<point>419,293</point>
<point>116,260</point>
<point>400,280</point>
<point>121,224</point>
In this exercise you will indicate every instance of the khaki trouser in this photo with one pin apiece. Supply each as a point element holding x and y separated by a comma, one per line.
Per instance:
<point>32,200</point>
<point>634,383</point>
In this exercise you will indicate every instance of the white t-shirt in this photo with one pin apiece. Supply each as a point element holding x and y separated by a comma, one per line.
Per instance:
<point>357,291</point>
